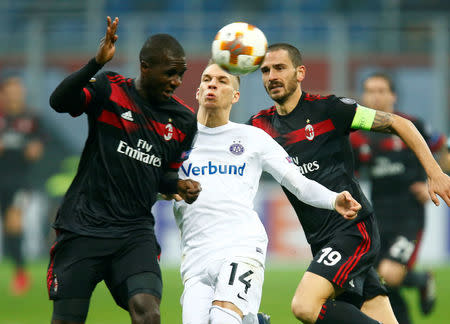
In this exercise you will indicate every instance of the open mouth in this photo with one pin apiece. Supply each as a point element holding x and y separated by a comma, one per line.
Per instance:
<point>210,96</point>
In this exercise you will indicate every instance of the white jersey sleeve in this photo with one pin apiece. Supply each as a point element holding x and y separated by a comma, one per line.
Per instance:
<point>276,161</point>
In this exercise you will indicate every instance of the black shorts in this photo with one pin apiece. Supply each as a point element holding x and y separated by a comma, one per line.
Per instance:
<point>401,245</point>
<point>78,263</point>
<point>347,260</point>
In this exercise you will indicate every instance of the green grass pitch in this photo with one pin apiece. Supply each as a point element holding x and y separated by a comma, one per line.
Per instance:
<point>279,286</point>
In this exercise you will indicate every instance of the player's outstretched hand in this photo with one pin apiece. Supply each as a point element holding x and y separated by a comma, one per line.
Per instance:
<point>439,185</point>
<point>189,190</point>
<point>176,197</point>
<point>107,46</point>
<point>346,205</point>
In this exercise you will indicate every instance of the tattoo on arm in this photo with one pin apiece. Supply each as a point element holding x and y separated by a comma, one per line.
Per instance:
<point>383,122</point>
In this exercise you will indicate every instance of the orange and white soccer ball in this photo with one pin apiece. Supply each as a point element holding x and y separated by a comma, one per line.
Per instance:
<point>239,48</point>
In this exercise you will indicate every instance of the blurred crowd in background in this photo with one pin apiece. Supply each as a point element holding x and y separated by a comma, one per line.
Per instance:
<point>342,41</point>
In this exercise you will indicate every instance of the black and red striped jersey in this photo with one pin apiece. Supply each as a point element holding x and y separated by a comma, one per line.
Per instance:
<point>316,136</point>
<point>130,146</point>
<point>16,132</point>
<point>392,169</point>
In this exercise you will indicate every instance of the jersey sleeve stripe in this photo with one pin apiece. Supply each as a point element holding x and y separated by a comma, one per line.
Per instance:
<point>120,97</point>
<point>180,101</point>
<point>266,112</point>
<point>300,134</point>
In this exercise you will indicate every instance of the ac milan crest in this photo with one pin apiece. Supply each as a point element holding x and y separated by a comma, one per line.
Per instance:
<point>309,132</point>
<point>169,132</point>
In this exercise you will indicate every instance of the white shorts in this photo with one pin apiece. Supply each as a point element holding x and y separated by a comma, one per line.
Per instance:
<point>237,280</point>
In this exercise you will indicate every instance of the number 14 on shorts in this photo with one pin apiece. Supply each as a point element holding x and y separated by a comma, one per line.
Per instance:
<point>242,278</point>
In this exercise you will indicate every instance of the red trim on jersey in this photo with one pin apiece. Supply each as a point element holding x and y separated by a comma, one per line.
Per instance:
<point>358,140</point>
<point>180,101</point>
<point>341,276</point>
<point>393,143</point>
<point>300,135</point>
<point>87,97</point>
<point>50,268</point>
<point>313,97</point>
<point>120,97</point>
<point>266,112</point>
<point>114,120</point>
<point>160,129</point>
<point>175,165</point>
<point>413,258</point>
<point>265,126</point>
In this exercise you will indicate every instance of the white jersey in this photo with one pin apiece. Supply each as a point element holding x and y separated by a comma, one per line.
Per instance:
<point>228,161</point>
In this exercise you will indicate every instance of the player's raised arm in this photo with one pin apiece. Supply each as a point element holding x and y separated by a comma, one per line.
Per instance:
<point>379,121</point>
<point>69,95</point>
<point>279,165</point>
<point>107,46</point>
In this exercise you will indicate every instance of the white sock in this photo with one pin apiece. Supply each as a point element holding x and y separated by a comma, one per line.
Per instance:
<point>220,315</point>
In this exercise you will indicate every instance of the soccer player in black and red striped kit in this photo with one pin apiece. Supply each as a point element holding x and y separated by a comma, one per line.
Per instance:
<point>21,145</point>
<point>139,134</point>
<point>340,284</point>
<point>395,172</point>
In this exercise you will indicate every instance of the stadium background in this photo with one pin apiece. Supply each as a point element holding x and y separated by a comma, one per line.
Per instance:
<point>342,41</point>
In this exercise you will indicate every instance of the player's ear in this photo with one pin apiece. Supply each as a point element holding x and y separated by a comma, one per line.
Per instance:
<point>301,73</point>
<point>197,93</point>
<point>236,96</point>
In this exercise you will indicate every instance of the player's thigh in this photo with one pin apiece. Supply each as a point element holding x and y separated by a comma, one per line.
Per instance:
<point>311,293</point>
<point>135,269</point>
<point>72,275</point>
<point>196,301</point>
<point>239,284</point>
<point>73,270</point>
<point>379,308</point>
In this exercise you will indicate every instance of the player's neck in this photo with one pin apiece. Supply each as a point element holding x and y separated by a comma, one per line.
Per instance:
<point>212,118</point>
<point>287,106</point>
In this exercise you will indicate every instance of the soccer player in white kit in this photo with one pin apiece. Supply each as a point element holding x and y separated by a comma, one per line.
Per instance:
<point>223,240</point>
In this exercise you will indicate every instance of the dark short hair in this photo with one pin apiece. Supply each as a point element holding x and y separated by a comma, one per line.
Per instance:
<point>294,54</point>
<point>158,45</point>
<point>385,77</point>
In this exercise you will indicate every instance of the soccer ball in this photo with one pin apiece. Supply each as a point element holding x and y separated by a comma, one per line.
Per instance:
<point>239,48</point>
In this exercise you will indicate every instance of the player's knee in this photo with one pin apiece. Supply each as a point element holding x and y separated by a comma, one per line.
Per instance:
<point>392,272</point>
<point>220,315</point>
<point>144,310</point>
<point>303,310</point>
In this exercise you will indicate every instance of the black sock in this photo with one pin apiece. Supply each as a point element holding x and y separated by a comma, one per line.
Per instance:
<point>399,306</point>
<point>415,279</point>
<point>13,244</point>
<point>334,311</point>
